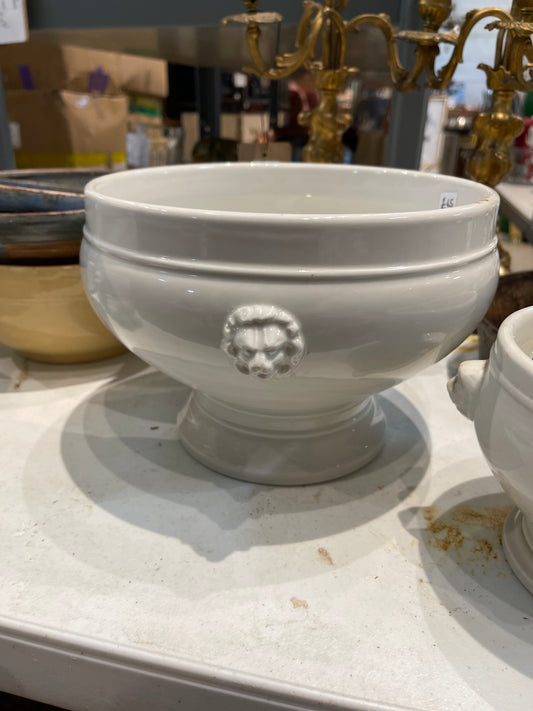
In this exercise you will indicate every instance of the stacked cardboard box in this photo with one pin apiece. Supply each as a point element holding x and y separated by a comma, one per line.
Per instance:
<point>69,106</point>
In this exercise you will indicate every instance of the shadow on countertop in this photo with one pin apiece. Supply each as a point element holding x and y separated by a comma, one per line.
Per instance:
<point>8,702</point>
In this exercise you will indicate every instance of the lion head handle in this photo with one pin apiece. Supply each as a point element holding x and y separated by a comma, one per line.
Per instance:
<point>263,340</point>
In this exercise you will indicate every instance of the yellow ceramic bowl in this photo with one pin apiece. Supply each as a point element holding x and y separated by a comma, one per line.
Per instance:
<point>45,316</point>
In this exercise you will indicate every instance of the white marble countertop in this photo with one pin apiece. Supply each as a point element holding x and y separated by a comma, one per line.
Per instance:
<point>134,578</point>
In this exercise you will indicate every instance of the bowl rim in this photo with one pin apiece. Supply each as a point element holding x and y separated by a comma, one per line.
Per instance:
<point>508,330</point>
<point>511,365</point>
<point>24,190</point>
<point>488,198</point>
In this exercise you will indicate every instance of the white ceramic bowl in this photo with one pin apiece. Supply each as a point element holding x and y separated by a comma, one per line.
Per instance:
<point>498,395</point>
<point>286,295</point>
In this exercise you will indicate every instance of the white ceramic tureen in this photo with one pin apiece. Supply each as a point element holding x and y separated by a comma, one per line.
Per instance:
<point>286,295</point>
<point>498,395</point>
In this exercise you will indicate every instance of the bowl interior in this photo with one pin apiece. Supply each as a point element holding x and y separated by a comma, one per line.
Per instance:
<point>523,335</point>
<point>298,189</point>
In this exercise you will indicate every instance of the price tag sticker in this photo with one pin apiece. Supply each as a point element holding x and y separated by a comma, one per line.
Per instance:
<point>13,21</point>
<point>447,200</point>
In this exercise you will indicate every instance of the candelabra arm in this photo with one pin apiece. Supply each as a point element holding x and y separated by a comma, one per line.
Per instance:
<point>519,49</point>
<point>399,75</point>
<point>308,32</point>
<point>498,54</point>
<point>443,77</point>
<point>310,8</point>
<point>322,22</point>
<point>334,50</point>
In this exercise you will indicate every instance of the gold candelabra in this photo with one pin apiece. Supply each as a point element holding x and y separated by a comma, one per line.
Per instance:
<point>323,25</point>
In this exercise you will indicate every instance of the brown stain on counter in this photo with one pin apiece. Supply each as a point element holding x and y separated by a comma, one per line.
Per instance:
<point>325,556</point>
<point>479,527</point>
<point>444,535</point>
<point>485,549</point>
<point>299,603</point>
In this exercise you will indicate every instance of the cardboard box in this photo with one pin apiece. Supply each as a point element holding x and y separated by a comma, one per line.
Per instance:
<point>68,129</point>
<point>42,65</point>
<point>142,75</point>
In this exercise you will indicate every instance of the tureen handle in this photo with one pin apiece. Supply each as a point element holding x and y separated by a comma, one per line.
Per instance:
<point>465,387</point>
<point>263,340</point>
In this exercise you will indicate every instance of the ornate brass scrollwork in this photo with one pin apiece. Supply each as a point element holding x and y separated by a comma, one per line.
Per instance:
<point>512,71</point>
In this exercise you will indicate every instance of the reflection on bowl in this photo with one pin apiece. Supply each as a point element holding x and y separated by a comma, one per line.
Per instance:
<point>45,316</point>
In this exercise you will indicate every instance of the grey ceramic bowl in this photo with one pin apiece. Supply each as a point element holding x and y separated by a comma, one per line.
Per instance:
<point>40,235</point>
<point>42,212</point>
<point>63,179</point>
<point>17,196</point>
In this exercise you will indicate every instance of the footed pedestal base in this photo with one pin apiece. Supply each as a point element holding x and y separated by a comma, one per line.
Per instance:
<point>281,449</point>
<point>518,547</point>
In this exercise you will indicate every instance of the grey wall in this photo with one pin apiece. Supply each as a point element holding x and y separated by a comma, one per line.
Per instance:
<point>56,14</point>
